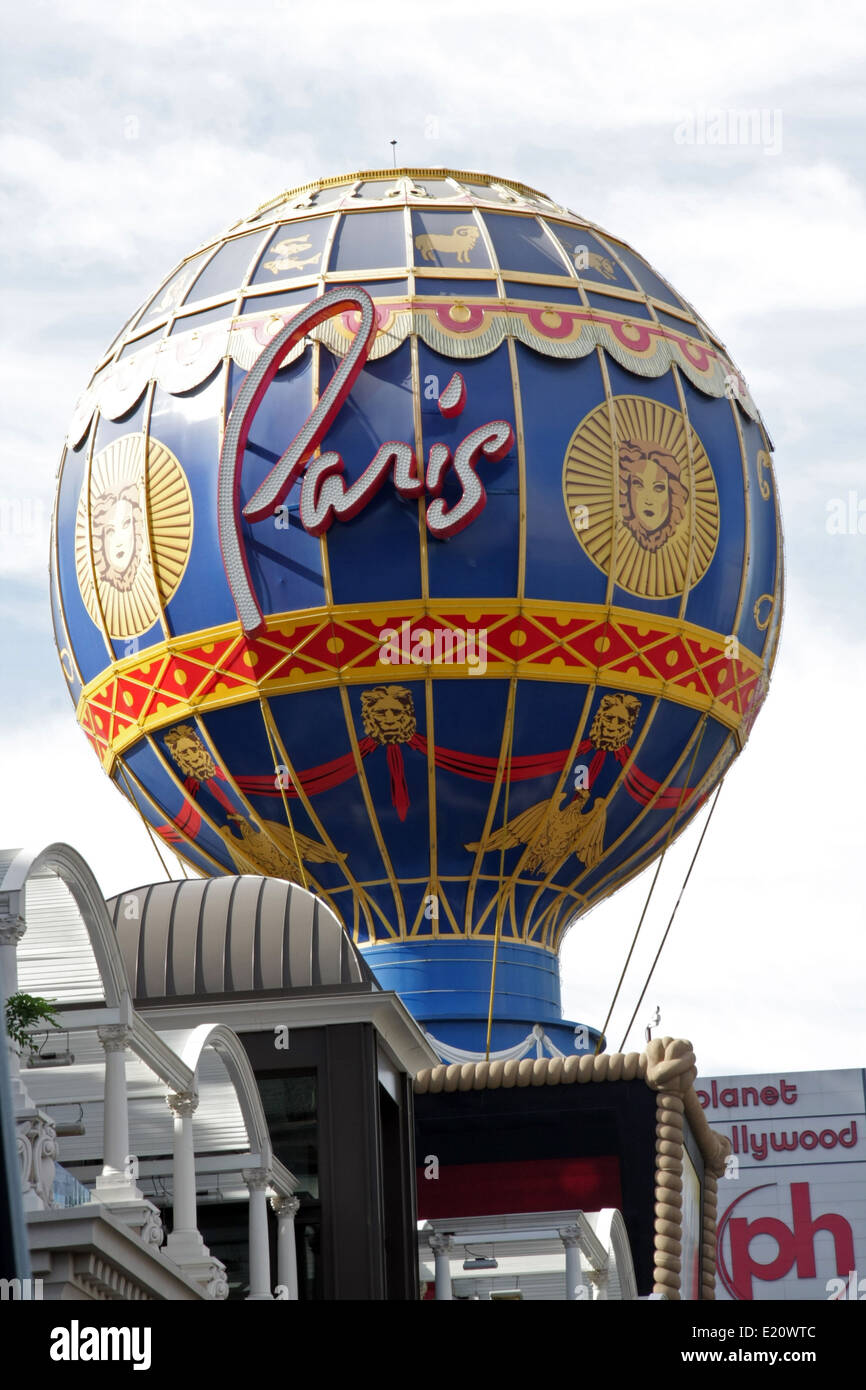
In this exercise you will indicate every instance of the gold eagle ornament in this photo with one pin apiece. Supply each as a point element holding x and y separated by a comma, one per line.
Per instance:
<point>553,833</point>
<point>272,851</point>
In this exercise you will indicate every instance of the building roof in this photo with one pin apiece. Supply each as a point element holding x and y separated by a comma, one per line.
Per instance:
<point>232,935</point>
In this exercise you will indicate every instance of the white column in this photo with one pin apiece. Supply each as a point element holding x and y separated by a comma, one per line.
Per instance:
<point>12,928</point>
<point>116,1119</point>
<point>573,1279</point>
<point>36,1140</point>
<point>117,1186</point>
<point>183,1106</point>
<point>286,1209</point>
<point>185,1245</point>
<point>441,1247</point>
<point>259,1252</point>
<point>115,1183</point>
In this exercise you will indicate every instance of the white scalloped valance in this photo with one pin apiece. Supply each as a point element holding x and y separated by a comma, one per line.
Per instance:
<point>454,328</point>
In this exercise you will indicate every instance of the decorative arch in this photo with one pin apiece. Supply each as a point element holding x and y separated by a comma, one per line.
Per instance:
<point>69,867</point>
<point>610,1231</point>
<point>174,1058</point>
<point>190,1045</point>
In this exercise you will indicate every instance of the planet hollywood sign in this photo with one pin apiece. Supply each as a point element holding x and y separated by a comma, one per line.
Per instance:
<point>324,496</point>
<point>791,1216</point>
<point>758,1146</point>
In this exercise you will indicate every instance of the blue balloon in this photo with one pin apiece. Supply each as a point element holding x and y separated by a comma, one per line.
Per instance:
<point>418,543</point>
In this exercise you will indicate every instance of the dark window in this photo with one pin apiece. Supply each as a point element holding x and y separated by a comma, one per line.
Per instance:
<point>171,294</point>
<point>628,308</point>
<point>649,282</point>
<point>290,1108</point>
<point>369,241</point>
<point>228,269</point>
<point>457,289</point>
<point>521,243</point>
<point>223,313</point>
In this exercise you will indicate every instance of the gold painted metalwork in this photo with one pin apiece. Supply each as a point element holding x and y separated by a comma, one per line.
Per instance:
<point>762,623</point>
<point>461,176</point>
<point>553,833</point>
<point>577,643</point>
<point>764,466</point>
<point>270,848</point>
<point>132,576</point>
<point>655,508</point>
<point>367,795</point>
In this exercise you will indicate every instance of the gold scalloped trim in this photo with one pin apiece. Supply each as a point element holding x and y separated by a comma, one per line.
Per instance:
<point>184,361</point>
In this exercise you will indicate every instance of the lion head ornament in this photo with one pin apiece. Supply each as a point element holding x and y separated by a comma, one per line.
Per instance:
<point>614,722</point>
<point>189,753</point>
<point>388,712</point>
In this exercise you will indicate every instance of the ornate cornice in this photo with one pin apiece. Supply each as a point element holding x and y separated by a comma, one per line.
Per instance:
<point>182,1103</point>
<point>12,926</point>
<point>285,1208</point>
<point>114,1037</point>
<point>257,1179</point>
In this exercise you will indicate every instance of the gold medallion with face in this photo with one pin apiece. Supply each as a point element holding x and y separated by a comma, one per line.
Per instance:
<point>641,496</point>
<point>133,534</point>
<point>388,712</point>
<point>189,753</point>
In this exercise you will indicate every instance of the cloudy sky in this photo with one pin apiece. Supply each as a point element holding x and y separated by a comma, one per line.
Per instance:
<point>132,133</point>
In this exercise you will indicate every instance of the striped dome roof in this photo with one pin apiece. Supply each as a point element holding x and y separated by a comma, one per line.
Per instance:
<point>231,935</point>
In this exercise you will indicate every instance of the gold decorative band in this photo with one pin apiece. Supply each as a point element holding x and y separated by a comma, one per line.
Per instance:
<point>375,643</point>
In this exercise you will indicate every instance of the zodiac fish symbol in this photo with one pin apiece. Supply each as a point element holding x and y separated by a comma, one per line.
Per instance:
<point>460,241</point>
<point>288,252</point>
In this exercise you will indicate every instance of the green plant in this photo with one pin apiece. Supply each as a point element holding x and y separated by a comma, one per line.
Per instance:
<point>23,1010</point>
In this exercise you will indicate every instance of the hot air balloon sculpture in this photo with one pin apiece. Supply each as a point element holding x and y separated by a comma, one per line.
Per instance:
<point>418,543</point>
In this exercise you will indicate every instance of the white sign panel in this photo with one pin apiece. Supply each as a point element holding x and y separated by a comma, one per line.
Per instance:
<point>792,1206</point>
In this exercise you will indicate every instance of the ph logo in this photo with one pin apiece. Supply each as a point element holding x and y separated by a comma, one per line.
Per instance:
<point>796,1243</point>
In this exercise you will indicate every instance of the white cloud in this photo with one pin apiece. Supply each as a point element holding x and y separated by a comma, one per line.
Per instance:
<point>55,791</point>
<point>768,938</point>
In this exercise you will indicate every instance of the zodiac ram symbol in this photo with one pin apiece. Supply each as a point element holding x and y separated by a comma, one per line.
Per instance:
<point>461,241</point>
